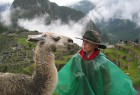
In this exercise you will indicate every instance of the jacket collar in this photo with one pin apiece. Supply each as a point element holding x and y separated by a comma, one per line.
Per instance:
<point>93,55</point>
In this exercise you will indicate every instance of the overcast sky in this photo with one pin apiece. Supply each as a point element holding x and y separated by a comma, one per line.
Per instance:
<point>6,1</point>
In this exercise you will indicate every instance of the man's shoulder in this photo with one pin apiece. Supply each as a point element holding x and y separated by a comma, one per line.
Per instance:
<point>101,57</point>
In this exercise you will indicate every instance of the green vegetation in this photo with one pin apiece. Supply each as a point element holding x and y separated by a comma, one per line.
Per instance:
<point>22,41</point>
<point>29,70</point>
<point>134,75</point>
<point>15,52</point>
<point>17,56</point>
<point>126,57</point>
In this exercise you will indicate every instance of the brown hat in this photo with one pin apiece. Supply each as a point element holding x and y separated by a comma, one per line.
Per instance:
<point>93,37</point>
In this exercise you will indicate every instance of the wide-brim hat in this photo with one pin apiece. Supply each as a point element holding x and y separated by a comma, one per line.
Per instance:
<point>93,37</point>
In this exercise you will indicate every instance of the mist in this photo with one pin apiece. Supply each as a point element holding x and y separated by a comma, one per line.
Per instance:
<point>65,2</point>
<point>5,17</point>
<point>6,1</point>
<point>72,29</point>
<point>104,10</point>
<point>120,9</point>
<point>107,9</point>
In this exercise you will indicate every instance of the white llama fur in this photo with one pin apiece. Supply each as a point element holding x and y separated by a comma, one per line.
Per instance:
<point>45,79</point>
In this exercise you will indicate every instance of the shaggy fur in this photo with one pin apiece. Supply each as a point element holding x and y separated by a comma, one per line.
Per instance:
<point>45,79</point>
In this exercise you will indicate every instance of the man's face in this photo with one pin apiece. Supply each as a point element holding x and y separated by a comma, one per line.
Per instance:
<point>88,47</point>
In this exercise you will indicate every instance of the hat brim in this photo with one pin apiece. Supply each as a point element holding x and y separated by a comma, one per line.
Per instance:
<point>100,44</point>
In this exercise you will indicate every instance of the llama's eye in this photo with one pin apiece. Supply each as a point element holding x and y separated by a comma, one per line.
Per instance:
<point>70,40</point>
<point>56,38</point>
<point>45,35</point>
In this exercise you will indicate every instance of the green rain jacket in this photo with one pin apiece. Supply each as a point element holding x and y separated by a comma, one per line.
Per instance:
<point>98,76</point>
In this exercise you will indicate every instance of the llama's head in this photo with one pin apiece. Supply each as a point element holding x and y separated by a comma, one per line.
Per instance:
<point>51,40</point>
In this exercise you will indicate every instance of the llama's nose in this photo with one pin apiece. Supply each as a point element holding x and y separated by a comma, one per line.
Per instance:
<point>70,40</point>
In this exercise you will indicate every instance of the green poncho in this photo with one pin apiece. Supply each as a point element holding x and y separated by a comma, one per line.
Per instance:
<point>93,77</point>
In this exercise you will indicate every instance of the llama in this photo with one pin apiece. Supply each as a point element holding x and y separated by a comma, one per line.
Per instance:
<point>45,79</point>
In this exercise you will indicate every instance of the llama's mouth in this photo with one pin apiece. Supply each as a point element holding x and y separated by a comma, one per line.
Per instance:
<point>32,40</point>
<point>35,40</point>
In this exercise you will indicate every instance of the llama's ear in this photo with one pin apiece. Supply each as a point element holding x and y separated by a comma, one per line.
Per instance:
<point>53,48</point>
<point>56,38</point>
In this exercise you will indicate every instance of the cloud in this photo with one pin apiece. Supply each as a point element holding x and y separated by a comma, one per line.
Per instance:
<point>65,2</point>
<point>5,17</point>
<point>6,1</point>
<point>59,2</point>
<point>123,9</point>
<point>72,29</point>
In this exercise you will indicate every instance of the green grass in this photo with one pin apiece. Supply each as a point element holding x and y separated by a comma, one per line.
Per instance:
<point>67,57</point>
<point>63,57</point>
<point>134,75</point>
<point>22,41</point>
<point>126,60</point>
<point>136,50</point>
<point>29,70</point>
<point>57,53</point>
<point>127,46</point>
<point>59,62</point>
<point>121,53</point>
<point>108,50</point>
<point>133,65</point>
<point>123,61</point>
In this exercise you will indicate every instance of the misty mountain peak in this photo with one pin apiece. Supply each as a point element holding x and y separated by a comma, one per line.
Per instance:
<point>25,4</point>
<point>31,9</point>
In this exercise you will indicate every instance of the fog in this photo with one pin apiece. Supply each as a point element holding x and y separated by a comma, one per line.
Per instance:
<point>5,17</point>
<point>122,9</point>
<point>104,10</point>
<point>72,29</point>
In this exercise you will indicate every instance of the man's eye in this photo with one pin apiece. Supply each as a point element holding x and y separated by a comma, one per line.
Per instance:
<point>84,41</point>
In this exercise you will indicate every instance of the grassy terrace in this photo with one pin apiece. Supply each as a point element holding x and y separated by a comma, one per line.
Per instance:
<point>21,59</point>
<point>132,69</point>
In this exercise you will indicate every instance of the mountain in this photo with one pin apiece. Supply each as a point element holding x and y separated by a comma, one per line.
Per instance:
<point>83,6</point>
<point>34,8</point>
<point>28,9</point>
<point>120,29</point>
<point>116,29</point>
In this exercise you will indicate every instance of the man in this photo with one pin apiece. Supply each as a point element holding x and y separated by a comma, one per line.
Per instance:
<point>89,72</point>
